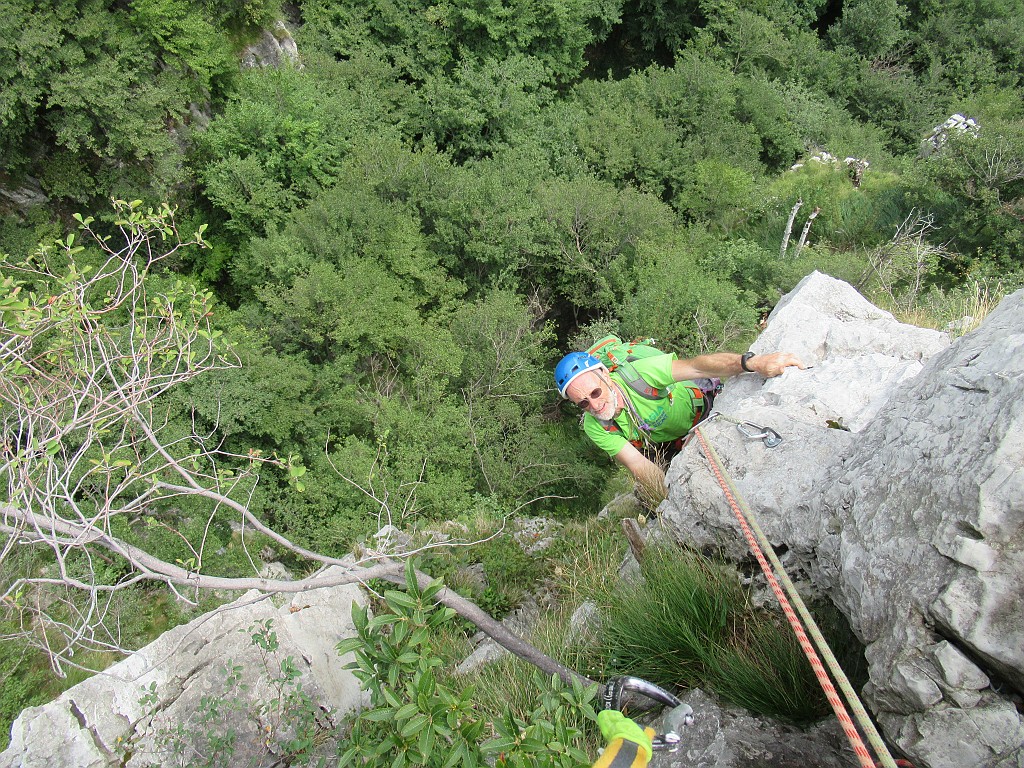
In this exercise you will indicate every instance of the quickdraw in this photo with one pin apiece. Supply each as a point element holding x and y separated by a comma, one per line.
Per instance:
<point>770,437</point>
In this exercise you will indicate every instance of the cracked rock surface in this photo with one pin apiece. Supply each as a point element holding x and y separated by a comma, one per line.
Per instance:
<point>898,493</point>
<point>728,737</point>
<point>104,721</point>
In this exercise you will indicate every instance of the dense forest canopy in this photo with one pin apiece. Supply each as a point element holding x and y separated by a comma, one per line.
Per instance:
<point>407,227</point>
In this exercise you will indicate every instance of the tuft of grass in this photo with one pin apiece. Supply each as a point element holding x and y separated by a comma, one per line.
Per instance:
<point>689,623</point>
<point>586,560</point>
<point>959,311</point>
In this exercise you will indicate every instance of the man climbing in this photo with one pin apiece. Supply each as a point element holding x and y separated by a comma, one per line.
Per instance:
<point>644,410</point>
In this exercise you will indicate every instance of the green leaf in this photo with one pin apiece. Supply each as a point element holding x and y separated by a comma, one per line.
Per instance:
<point>383,620</point>
<point>410,576</point>
<point>432,589</point>
<point>498,745</point>
<point>414,726</point>
<point>406,711</point>
<point>399,600</point>
<point>380,715</point>
<point>348,645</point>
<point>452,759</point>
<point>426,742</point>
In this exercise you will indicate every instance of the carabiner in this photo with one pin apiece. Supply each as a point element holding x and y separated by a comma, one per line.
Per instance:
<point>680,716</point>
<point>769,436</point>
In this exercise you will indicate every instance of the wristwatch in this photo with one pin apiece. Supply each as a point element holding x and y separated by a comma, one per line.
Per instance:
<point>743,361</point>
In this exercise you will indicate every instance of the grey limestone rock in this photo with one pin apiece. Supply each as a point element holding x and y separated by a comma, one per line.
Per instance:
<point>104,721</point>
<point>275,48</point>
<point>723,737</point>
<point>534,534</point>
<point>912,521</point>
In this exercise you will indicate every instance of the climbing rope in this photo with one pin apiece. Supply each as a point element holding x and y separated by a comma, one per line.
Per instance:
<point>759,544</point>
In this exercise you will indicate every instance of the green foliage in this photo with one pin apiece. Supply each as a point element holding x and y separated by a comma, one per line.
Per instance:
<point>594,232</point>
<point>975,186</point>
<point>412,225</point>
<point>185,37</point>
<point>415,720</point>
<point>481,107</point>
<point>968,45</point>
<point>98,86</point>
<point>871,27</point>
<point>651,31</point>
<point>279,141</point>
<point>648,129</point>
<point>749,42</point>
<point>689,624</point>
<point>849,216</point>
<point>423,43</point>
<point>684,297</point>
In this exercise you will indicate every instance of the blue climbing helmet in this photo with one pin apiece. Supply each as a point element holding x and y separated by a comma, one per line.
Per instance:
<point>571,366</point>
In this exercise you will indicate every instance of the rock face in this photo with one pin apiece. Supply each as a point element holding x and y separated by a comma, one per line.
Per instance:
<point>275,48</point>
<point>931,556</point>
<point>150,708</point>
<point>911,521</point>
<point>725,737</point>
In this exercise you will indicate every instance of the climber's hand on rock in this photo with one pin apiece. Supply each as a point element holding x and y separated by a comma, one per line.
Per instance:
<point>774,363</point>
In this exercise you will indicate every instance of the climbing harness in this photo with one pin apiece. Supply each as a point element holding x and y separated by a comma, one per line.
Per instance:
<point>679,716</point>
<point>702,400</point>
<point>760,545</point>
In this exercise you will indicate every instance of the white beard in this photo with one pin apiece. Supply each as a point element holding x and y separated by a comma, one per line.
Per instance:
<point>611,407</point>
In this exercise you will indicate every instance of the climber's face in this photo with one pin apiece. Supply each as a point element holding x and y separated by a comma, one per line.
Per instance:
<point>595,394</point>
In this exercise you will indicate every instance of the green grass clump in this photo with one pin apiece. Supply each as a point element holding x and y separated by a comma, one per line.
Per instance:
<point>688,623</point>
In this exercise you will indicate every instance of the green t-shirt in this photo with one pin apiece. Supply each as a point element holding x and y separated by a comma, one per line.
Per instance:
<point>668,418</point>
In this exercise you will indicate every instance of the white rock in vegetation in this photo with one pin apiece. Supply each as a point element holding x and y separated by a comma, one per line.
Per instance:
<point>106,720</point>
<point>954,125</point>
<point>911,521</point>
<point>274,48</point>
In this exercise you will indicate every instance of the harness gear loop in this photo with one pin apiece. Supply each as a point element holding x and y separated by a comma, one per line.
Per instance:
<point>680,716</point>
<point>759,545</point>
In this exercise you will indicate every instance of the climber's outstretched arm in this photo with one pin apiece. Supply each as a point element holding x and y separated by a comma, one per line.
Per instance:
<point>648,475</point>
<point>720,364</point>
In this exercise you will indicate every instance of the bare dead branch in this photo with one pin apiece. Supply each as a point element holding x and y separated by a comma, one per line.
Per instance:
<point>789,229</point>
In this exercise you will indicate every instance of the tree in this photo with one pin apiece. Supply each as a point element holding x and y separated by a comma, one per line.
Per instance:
<point>871,27</point>
<point>88,90</point>
<point>975,185</point>
<point>684,298</point>
<point>90,455</point>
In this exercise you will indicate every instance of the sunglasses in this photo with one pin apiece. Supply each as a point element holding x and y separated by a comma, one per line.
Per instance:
<point>584,404</point>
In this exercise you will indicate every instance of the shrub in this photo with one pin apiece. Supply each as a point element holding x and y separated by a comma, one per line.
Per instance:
<point>415,720</point>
